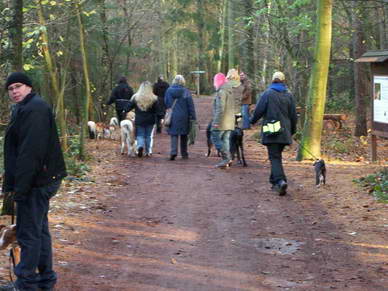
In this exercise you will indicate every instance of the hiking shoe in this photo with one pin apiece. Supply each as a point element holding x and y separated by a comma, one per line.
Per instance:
<point>282,188</point>
<point>140,152</point>
<point>224,163</point>
<point>172,157</point>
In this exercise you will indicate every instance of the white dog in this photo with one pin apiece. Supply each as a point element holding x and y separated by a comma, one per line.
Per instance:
<point>127,130</point>
<point>113,126</point>
<point>92,129</point>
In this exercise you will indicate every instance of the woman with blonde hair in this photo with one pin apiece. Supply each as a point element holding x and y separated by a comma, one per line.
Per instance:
<point>145,104</point>
<point>234,84</point>
<point>179,99</point>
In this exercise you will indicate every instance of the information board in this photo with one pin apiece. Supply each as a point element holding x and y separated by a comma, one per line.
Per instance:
<point>380,99</point>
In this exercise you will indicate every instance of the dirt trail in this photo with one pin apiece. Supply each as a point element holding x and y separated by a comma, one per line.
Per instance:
<point>154,224</point>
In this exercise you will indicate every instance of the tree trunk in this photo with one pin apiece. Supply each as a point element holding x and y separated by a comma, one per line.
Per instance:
<point>312,131</point>
<point>16,36</point>
<point>88,97</point>
<point>266,44</point>
<point>231,59</point>
<point>59,94</point>
<point>222,20</point>
<point>249,63</point>
<point>360,73</point>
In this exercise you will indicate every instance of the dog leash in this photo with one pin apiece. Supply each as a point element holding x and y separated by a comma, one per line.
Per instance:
<point>300,145</point>
<point>12,262</point>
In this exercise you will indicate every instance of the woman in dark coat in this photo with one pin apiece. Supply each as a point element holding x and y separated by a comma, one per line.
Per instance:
<point>276,104</point>
<point>182,113</point>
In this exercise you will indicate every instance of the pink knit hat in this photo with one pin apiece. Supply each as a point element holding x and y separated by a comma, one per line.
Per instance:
<point>219,80</point>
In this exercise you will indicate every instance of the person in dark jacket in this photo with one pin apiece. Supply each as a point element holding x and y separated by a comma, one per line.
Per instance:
<point>184,111</point>
<point>276,105</point>
<point>121,95</point>
<point>159,89</point>
<point>145,104</point>
<point>34,167</point>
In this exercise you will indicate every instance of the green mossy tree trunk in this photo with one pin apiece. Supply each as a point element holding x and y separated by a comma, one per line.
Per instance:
<point>315,106</point>
<point>88,96</point>
<point>59,93</point>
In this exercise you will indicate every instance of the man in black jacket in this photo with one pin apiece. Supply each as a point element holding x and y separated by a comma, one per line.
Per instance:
<point>276,106</point>
<point>159,89</point>
<point>121,95</point>
<point>34,167</point>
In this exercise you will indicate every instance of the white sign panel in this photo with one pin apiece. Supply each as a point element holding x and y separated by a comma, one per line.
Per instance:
<point>380,99</point>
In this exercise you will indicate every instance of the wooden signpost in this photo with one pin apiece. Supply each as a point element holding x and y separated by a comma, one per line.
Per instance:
<point>379,100</point>
<point>197,75</point>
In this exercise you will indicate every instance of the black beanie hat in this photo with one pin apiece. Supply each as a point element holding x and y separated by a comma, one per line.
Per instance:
<point>18,77</point>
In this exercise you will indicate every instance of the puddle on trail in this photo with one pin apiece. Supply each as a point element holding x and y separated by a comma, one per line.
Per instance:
<point>278,246</point>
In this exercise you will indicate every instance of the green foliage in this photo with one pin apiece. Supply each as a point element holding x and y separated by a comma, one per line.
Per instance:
<point>339,145</point>
<point>74,166</point>
<point>377,184</point>
<point>340,103</point>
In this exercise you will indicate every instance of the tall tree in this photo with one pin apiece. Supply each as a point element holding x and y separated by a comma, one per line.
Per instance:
<point>231,44</point>
<point>360,71</point>
<point>315,107</point>
<point>59,94</point>
<point>16,35</point>
<point>88,95</point>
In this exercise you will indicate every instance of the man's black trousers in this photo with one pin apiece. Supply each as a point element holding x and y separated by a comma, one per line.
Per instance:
<point>275,157</point>
<point>35,269</point>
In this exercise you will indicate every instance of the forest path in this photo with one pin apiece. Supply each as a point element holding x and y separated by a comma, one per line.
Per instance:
<point>154,224</point>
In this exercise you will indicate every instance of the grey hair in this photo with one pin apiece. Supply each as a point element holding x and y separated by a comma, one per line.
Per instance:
<point>179,80</point>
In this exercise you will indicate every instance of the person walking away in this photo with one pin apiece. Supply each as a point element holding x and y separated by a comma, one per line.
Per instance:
<point>235,86</point>
<point>276,105</point>
<point>223,118</point>
<point>159,89</point>
<point>179,97</point>
<point>33,169</point>
<point>246,100</point>
<point>121,95</point>
<point>145,104</point>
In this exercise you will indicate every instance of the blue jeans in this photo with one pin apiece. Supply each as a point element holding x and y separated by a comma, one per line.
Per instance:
<point>245,116</point>
<point>215,137</point>
<point>143,137</point>
<point>221,140</point>
<point>33,236</point>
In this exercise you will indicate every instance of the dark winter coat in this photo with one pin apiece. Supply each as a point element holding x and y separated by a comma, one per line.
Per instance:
<point>143,118</point>
<point>121,95</point>
<point>277,103</point>
<point>32,152</point>
<point>183,111</point>
<point>159,89</point>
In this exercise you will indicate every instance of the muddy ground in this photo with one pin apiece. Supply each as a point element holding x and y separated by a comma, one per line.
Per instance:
<point>154,224</point>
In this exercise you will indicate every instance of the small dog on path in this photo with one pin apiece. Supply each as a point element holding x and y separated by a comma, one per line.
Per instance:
<point>320,172</point>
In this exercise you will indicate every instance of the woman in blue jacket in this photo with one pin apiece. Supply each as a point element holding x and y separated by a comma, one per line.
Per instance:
<point>179,97</point>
